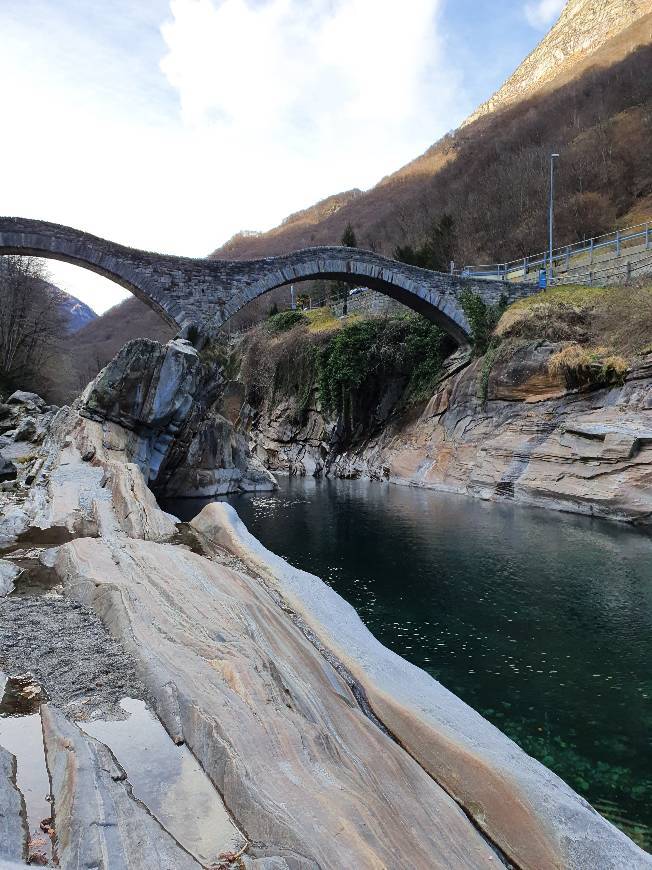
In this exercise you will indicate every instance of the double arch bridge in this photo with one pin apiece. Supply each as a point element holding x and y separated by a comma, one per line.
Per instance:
<point>199,296</point>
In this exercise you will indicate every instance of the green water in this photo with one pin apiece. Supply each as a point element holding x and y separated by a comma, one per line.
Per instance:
<point>540,621</point>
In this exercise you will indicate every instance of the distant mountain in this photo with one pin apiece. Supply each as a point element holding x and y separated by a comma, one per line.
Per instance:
<point>77,313</point>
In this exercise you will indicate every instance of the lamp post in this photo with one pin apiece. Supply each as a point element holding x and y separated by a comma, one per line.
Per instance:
<point>553,157</point>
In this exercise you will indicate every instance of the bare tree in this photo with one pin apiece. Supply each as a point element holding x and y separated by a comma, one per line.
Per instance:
<point>32,326</point>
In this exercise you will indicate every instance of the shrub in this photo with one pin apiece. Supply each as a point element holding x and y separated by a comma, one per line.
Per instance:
<point>410,347</point>
<point>482,318</point>
<point>285,320</point>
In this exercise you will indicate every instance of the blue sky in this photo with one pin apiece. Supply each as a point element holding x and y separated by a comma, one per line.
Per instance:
<point>172,124</point>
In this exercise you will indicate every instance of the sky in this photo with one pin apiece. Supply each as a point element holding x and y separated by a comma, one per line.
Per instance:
<point>170,125</point>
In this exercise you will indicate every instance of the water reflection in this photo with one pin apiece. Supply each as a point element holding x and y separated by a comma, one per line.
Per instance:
<point>21,735</point>
<point>169,781</point>
<point>539,620</point>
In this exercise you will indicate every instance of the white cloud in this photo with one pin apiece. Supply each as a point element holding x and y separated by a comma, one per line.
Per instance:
<point>544,12</point>
<point>237,113</point>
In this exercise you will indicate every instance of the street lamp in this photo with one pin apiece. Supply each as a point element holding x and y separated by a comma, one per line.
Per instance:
<point>553,157</point>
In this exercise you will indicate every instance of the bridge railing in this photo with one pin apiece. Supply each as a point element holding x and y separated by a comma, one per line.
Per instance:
<point>566,258</point>
<point>614,272</point>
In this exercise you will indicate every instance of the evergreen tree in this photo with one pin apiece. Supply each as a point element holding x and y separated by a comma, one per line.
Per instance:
<point>348,237</point>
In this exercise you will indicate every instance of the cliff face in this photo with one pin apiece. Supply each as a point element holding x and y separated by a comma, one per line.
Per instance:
<point>557,413</point>
<point>582,27</point>
<point>532,440</point>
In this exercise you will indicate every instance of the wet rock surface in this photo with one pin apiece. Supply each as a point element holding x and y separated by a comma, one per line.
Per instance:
<point>13,826</point>
<point>104,826</point>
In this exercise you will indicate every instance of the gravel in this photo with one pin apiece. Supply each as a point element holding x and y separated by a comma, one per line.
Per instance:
<point>64,645</point>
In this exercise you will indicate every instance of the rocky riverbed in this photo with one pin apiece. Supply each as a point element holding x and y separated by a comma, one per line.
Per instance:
<point>323,748</point>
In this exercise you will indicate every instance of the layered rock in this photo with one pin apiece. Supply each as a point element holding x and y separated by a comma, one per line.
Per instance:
<point>99,823</point>
<point>328,750</point>
<point>532,438</point>
<point>13,824</point>
<point>156,393</point>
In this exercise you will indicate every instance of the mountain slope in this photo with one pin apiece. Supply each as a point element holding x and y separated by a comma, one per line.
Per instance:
<point>582,28</point>
<point>492,173</point>
<point>95,344</point>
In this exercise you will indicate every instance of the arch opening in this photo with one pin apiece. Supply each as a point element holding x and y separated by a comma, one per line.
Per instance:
<point>424,304</point>
<point>54,338</point>
<point>88,265</point>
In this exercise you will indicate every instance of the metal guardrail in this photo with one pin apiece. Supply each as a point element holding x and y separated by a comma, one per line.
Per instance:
<point>617,241</point>
<point>624,271</point>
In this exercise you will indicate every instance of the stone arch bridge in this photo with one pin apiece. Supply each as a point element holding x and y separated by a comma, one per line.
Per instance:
<point>200,295</point>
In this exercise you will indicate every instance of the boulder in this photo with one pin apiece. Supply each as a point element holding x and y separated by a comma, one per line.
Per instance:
<point>160,393</point>
<point>32,401</point>
<point>25,430</point>
<point>8,470</point>
<point>145,385</point>
<point>218,462</point>
<point>148,389</point>
<point>8,573</point>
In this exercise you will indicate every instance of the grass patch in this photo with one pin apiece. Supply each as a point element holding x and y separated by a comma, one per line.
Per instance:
<point>577,295</point>
<point>588,366</point>
<point>615,317</point>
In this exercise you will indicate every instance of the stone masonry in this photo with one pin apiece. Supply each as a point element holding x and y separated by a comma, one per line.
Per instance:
<point>199,295</point>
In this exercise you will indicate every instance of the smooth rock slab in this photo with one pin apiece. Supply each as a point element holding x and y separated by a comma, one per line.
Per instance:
<point>99,825</point>
<point>306,775</point>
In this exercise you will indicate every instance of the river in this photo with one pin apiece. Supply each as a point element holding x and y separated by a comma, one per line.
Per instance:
<point>540,621</point>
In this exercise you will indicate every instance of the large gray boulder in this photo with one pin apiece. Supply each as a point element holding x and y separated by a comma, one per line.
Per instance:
<point>8,470</point>
<point>145,385</point>
<point>161,393</point>
<point>8,573</point>
<point>218,461</point>
<point>25,430</point>
<point>31,401</point>
<point>149,389</point>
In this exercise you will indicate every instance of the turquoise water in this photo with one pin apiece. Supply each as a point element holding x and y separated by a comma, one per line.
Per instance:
<point>541,621</point>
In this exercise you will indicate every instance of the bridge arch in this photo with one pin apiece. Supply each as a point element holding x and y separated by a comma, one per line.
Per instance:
<point>200,295</point>
<point>89,257</point>
<point>357,268</point>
